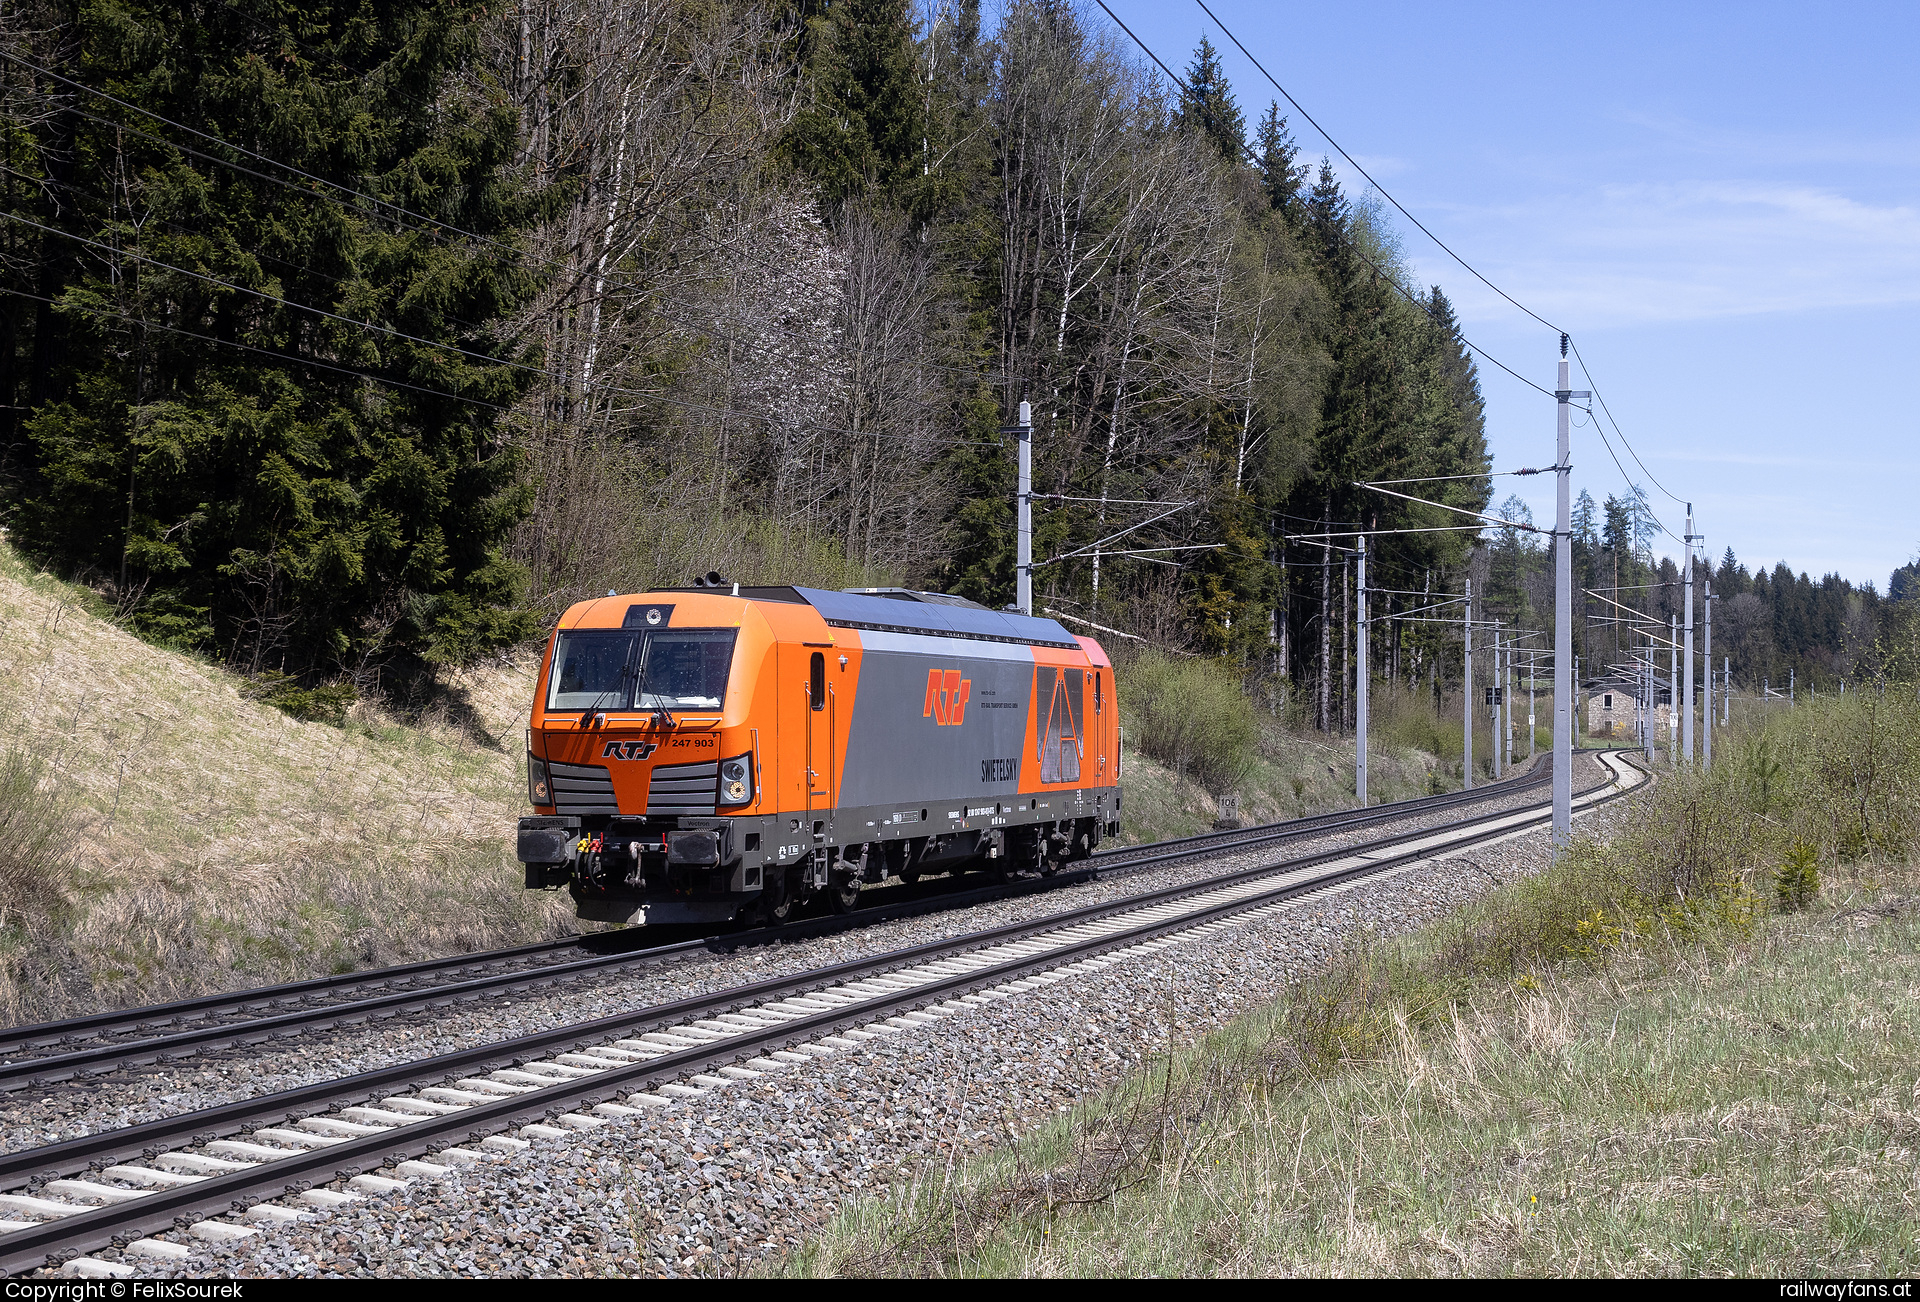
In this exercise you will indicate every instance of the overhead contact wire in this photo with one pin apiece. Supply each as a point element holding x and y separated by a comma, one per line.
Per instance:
<point>1403,291</point>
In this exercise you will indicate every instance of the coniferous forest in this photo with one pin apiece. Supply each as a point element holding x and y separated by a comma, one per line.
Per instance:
<point>343,341</point>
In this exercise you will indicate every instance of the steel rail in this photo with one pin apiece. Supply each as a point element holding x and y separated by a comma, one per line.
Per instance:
<point>94,1059</point>
<point>1235,837</point>
<point>233,1001</point>
<point>121,1020</point>
<point>76,1154</point>
<point>47,1242</point>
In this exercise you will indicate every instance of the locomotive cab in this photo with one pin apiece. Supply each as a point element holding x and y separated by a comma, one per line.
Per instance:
<point>699,755</point>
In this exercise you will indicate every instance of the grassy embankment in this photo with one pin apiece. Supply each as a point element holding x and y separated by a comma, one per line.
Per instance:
<point>1688,1051</point>
<point>162,834</point>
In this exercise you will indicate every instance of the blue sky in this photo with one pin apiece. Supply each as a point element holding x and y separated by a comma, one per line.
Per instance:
<point>1721,203</point>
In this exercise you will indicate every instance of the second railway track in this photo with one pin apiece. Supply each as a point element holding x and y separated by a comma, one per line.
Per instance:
<point>38,1056</point>
<point>562,1080</point>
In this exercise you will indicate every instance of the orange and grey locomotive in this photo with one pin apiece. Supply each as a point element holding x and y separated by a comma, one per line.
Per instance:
<point>700,755</point>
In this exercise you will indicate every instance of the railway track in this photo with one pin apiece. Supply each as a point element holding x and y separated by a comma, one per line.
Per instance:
<point>174,1172</point>
<point>36,1057</point>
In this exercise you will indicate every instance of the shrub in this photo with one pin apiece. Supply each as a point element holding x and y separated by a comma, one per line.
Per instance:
<point>1762,775</point>
<point>327,703</point>
<point>1407,720</point>
<point>1797,878</point>
<point>164,619</point>
<point>1192,716</point>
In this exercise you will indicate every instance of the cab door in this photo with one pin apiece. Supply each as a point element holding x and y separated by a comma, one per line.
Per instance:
<point>807,717</point>
<point>1100,730</point>
<point>822,763</point>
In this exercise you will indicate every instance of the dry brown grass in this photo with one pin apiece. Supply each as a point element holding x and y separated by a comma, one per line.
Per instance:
<point>215,842</point>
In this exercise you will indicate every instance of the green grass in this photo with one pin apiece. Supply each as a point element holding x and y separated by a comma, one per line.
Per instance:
<point>1291,776</point>
<point>1277,769</point>
<point>1714,1107</point>
<point>1688,1051</point>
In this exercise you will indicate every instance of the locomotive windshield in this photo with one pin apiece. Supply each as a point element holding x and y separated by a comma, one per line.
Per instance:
<point>622,669</point>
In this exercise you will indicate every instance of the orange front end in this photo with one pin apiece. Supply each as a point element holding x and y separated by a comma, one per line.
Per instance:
<point>650,752</point>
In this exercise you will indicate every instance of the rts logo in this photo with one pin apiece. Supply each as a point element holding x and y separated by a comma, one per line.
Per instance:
<point>628,749</point>
<point>947,694</point>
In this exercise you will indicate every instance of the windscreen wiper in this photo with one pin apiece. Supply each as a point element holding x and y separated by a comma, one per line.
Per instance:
<point>661,718</point>
<point>626,671</point>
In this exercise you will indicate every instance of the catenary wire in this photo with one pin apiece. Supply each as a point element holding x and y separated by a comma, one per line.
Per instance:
<point>1471,269</point>
<point>1442,244</point>
<point>1592,383</point>
<point>1403,291</point>
<point>442,228</point>
<point>286,358</point>
<point>294,359</point>
<point>713,327</point>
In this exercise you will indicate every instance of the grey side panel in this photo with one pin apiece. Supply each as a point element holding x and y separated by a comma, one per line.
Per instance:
<point>898,750</point>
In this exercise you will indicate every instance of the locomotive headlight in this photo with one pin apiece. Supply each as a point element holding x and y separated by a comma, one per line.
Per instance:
<point>539,790</point>
<point>736,781</point>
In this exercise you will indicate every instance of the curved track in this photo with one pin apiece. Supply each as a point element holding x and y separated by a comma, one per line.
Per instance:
<point>172,1171</point>
<point>104,1042</point>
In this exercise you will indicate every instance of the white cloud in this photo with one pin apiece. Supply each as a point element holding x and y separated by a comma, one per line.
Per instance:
<point>1659,254</point>
<point>1637,253</point>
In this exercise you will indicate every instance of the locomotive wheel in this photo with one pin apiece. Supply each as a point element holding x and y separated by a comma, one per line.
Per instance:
<point>909,875</point>
<point>1084,843</point>
<point>844,897</point>
<point>1026,852</point>
<point>777,903</point>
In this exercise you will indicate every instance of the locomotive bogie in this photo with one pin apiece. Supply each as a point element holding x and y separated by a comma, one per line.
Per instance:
<point>695,756</point>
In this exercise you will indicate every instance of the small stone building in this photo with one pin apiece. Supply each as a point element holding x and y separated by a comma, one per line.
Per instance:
<point>1613,711</point>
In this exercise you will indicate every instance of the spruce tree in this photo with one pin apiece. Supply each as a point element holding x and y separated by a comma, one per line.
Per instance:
<point>1585,531</point>
<point>863,127</point>
<point>1208,105</point>
<point>1616,534</point>
<point>1464,441</point>
<point>1904,583</point>
<point>980,558</point>
<point>1281,173</point>
<point>1645,527</point>
<point>952,188</point>
<point>277,416</point>
<point>1359,405</point>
